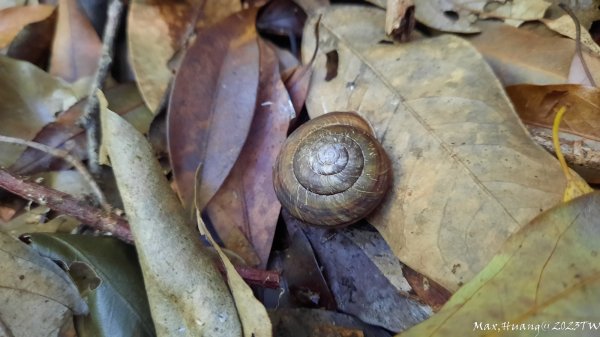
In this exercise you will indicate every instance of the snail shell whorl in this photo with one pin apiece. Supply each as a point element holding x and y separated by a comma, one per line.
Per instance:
<point>332,171</point>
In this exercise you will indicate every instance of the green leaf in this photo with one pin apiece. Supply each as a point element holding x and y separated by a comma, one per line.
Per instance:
<point>546,274</point>
<point>118,307</point>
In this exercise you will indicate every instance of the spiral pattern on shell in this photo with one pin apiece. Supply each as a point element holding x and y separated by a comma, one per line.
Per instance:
<point>332,171</point>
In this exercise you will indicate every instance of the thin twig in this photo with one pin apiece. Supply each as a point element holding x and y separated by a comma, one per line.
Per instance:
<point>105,221</point>
<point>68,158</point>
<point>91,117</point>
<point>64,203</point>
<point>570,12</point>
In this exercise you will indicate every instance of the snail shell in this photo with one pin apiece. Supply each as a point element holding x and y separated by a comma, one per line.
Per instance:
<point>332,171</point>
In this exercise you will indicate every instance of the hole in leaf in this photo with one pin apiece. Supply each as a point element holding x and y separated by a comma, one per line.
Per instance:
<point>332,65</point>
<point>452,15</point>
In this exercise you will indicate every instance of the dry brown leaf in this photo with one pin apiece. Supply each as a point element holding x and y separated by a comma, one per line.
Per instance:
<point>187,295</point>
<point>400,19</point>
<point>211,107</point>
<point>156,29</point>
<point>546,274</point>
<point>12,20</point>
<point>526,56</point>
<point>77,47</point>
<point>466,174</point>
<point>34,41</point>
<point>247,196</point>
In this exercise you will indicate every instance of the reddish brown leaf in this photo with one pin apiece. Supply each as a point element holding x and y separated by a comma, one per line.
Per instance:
<point>426,290</point>
<point>536,106</point>
<point>211,107</point>
<point>77,47</point>
<point>13,19</point>
<point>247,193</point>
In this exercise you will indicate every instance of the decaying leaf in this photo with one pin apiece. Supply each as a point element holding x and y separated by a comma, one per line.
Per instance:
<point>546,272</point>
<point>77,47</point>
<point>29,99</point>
<point>118,306</point>
<point>466,174</point>
<point>156,29</point>
<point>37,298</point>
<point>400,19</point>
<point>212,104</point>
<point>187,295</point>
<point>13,19</point>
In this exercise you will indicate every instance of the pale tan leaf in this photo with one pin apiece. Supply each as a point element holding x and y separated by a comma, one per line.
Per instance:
<point>466,174</point>
<point>187,295</point>
<point>253,315</point>
<point>37,298</point>
<point>544,275</point>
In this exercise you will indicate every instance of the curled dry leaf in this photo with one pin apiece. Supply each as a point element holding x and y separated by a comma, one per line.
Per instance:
<point>187,295</point>
<point>536,105</point>
<point>13,19</point>
<point>156,29</point>
<point>212,104</point>
<point>400,19</point>
<point>580,134</point>
<point>38,298</point>
<point>246,199</point>
<point>546,272</point>
<point>466,174</point>
<point>76,49</point>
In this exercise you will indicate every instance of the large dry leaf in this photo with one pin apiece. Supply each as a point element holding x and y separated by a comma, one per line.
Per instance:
<point>187,295</point>
<point>547,272</point>
<point>466,174</point>
<point>29,99</point>
<point>12,20</point>
<point>156,29</point>
<point>212,104</point>
<point>77,47</point>
<point>247,196</point>
<point>518,55</point>
<point>37,298</point>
